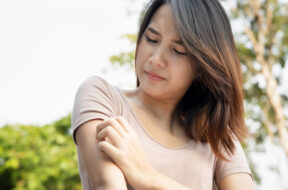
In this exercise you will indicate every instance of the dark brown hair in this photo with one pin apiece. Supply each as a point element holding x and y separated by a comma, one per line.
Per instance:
<point>212,108</point>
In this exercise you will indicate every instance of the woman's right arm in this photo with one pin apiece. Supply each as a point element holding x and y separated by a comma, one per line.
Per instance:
<point>102,172</point>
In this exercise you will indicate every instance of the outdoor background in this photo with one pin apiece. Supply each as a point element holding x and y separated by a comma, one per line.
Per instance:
<point>48,48</point>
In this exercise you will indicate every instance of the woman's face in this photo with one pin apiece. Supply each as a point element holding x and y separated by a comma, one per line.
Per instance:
<point>162,65</point>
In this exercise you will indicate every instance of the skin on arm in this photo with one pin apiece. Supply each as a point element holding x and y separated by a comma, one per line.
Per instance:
<point>102,172</point>
<point>238,181</point>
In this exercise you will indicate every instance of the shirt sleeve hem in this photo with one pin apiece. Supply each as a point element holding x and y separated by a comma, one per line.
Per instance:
<point>233,171</point>
<point>84,120</point>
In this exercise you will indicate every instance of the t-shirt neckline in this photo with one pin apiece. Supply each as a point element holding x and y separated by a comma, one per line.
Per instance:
<point>146,133</point>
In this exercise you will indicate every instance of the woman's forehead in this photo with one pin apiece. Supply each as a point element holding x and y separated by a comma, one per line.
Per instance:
<point>163,20</point>
<point>163,14</point>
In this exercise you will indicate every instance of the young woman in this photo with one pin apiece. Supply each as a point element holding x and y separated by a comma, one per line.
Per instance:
<point>180,128</point>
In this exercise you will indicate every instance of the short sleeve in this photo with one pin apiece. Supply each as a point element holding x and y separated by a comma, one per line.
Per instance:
<point>94,100</point>
<point>237,164</point>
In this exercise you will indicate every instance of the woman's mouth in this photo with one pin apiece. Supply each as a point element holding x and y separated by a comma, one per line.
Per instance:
<point>154,76</point>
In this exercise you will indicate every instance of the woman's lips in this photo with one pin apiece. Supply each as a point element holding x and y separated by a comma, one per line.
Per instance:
<point>154,76</point>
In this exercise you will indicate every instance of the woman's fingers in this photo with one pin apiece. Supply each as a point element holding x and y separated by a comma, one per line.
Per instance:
<point>111,134</point>
<point>109,149</point>
<point>124,124</point>
<point>122,130</point>
<point>113,123</point>
<point>115,129</point>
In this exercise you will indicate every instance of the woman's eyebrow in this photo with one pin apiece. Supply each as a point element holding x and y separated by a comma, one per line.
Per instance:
<point>157,33</point>
<point>153,31</point>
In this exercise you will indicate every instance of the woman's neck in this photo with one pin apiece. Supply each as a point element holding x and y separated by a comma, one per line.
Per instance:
<point>159,108</point>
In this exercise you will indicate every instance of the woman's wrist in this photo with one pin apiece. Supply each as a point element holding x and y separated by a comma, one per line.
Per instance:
<point>154,181</point>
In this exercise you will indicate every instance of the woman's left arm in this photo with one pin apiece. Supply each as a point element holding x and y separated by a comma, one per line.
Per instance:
<point>124,148</point>
<point>237,181</point>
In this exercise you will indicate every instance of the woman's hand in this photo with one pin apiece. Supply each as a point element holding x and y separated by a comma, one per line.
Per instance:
<point>119,141</point>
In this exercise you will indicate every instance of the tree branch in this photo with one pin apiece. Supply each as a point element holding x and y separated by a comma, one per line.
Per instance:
<point>249,64</point>
<point>252,38</point>
<point>267,122</point>
<point>268,18</point>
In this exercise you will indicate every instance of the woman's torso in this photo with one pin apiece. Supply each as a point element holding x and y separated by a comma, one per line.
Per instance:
<point>188,162</point>
<point>157,128</point>
<point>182,159</point>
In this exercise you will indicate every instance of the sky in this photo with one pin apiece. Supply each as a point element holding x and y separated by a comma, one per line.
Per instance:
<point>48,48</point>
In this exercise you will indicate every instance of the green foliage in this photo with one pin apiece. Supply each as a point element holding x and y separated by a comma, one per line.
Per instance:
<point>63,125</point>
<point>123,58</point>
<point>33,157</point>
<point>126,57</point>
<point>131,37</point>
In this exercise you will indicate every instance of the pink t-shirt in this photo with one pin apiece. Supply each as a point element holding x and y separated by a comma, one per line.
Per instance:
<point>193,165</point>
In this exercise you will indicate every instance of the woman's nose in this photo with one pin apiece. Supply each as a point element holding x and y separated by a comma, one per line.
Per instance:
<point>157,57</point>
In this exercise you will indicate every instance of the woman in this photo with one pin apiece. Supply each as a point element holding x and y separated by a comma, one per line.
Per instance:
<point>181,127</point>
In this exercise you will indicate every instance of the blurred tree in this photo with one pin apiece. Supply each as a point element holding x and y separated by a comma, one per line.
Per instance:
<point>263,47</point>
<point>36,158</point>
<point>126,57</point>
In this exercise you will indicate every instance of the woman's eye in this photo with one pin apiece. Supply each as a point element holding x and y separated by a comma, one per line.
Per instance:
<point>180,53</point>
<point>155,41</point>
<point>150,40</point>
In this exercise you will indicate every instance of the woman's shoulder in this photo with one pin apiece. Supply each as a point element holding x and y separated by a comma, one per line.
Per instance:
<point>95,99</point>
<point>93,81</point>
<point>96,84</point>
